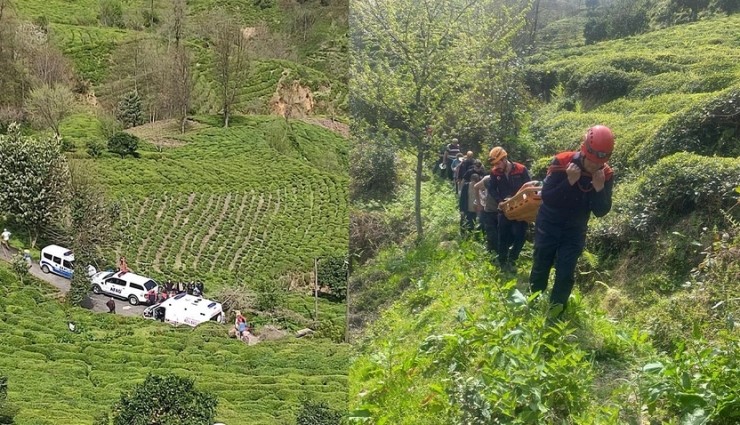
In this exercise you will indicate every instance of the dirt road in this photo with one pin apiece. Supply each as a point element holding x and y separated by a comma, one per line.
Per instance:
<point>95,303</point>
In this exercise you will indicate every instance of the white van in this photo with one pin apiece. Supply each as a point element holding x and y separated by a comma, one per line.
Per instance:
<point>58,260</point>
<point>128,286</point>
<point>186,309</point>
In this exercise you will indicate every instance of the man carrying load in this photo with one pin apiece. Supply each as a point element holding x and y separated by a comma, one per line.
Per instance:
<point>577,184</point>
<point>506,179</point>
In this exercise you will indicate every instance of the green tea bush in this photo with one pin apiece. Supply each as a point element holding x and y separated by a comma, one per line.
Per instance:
<point>94,148</point>
<point>317,413</point>
<point>123,144</point>
<point>675,187</point>
<point>705,129</point>
<point>605,85</point>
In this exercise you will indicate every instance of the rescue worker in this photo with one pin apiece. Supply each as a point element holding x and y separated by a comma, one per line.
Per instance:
<point>506,179</point>
<point>468,206</point>
<point>451,152</point>
<point>577,184</point>
<point>111,304</point>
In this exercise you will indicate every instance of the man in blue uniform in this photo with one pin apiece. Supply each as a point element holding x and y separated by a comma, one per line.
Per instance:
<point>506,179</point>
<point>577,184</point>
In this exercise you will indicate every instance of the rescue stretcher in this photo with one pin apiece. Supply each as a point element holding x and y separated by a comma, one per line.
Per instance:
<point>524,205</point>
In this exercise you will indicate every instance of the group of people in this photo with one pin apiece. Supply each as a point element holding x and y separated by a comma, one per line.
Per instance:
<point>577,184</point>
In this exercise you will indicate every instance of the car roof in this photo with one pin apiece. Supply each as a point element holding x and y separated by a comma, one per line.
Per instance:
<point>184,300</point>
<point>133,277</point>
<point>58,250</point>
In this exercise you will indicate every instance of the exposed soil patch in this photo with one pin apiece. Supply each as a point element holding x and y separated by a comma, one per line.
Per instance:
<point>163,133</point>
<point>335,126</point>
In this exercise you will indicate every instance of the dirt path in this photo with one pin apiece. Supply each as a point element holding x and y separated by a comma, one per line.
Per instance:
<point>95,303</point>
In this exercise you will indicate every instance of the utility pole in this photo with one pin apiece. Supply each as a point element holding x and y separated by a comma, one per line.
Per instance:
<point>316,289</point>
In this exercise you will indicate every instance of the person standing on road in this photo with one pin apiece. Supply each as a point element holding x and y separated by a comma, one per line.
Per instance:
<point>577,184</point>
<point>111,306</point>
<point>6,241</point>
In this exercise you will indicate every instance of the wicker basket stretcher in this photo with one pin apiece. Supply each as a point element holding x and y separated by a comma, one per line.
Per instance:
<point>524,205</point>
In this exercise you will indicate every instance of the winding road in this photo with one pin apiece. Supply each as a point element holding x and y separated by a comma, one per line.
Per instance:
<point>94,302</point>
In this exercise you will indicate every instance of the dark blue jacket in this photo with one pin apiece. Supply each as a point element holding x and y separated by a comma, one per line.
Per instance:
<point>501,186</point>
<point>571,206</point>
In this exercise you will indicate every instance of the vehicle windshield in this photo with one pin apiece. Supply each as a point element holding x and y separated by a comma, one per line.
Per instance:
<point>150,284</point>
<point>107,275</point>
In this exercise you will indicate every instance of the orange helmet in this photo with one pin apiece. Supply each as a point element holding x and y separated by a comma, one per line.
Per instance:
<point>598,144</point>
<point>497,154</point>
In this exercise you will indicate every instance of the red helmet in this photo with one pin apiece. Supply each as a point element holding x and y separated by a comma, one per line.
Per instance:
<point>598,144</point>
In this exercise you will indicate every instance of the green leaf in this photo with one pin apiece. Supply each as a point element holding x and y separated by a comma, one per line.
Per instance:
<point>360,413</point>
<point>691,400</point>
<point>697,417</point>
<point>653,367</point>
<point>518,298</point>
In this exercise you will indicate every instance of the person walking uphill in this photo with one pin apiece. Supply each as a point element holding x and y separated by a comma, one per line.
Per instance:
<point>451,152</point>
<point>507,178</point>
<point>577,184</point>
<point>468,205</point>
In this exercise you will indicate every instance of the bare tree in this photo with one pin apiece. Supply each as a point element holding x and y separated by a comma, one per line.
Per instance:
<point>49,105</point>
<point>231,62</point>
<point>49,66</point>
<point>179,12</point>
<point>181,85</point>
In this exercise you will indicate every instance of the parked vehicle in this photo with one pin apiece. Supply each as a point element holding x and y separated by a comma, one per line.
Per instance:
<point>125,285</point>
<point>58,260</point>
<point>186,309</point>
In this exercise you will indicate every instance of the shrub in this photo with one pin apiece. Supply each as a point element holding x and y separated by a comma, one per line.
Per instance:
<point>168,399</point>
<point>677,186</point>
<point>108,126</point>
<point>372,171</point>
<point>604,85</point>
<point>68,145</point>
<point>332,272</point>
<point>94,148</point>
<point>123,144</point>
<point>706,129</point>
<point>269,295</point>
<point>111,13</point>
<point>317,413</point>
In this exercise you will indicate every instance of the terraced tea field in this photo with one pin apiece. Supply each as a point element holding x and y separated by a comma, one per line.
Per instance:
<point>60,377</point>
<point>228,206</point>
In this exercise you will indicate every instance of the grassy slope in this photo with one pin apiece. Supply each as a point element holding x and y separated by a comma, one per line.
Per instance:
<point>401,374</point>
<point>56,376</point>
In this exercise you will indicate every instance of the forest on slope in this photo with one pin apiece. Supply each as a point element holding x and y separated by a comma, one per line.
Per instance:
<point>650,335</point>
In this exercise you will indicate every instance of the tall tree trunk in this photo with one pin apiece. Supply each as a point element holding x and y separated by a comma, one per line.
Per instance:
<point>417,189</point>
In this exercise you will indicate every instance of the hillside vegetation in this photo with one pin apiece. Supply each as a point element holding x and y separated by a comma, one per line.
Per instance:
<point>57,376</point>
<point>651,333</point>
<point>247,203</point>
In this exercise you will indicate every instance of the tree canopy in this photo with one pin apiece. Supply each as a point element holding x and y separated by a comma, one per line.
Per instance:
<point>165,400</point>
<point>34,180</point>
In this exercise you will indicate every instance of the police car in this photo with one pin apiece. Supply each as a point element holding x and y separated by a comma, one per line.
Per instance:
<point>58,260</point>
<point>124,285</point>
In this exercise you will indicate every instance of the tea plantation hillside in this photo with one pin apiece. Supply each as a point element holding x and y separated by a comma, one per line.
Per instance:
<point>651,332</point>
<point>663,92</point>
<point>291,42</point>
<point>60,377</point>
<point>245,203</point>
